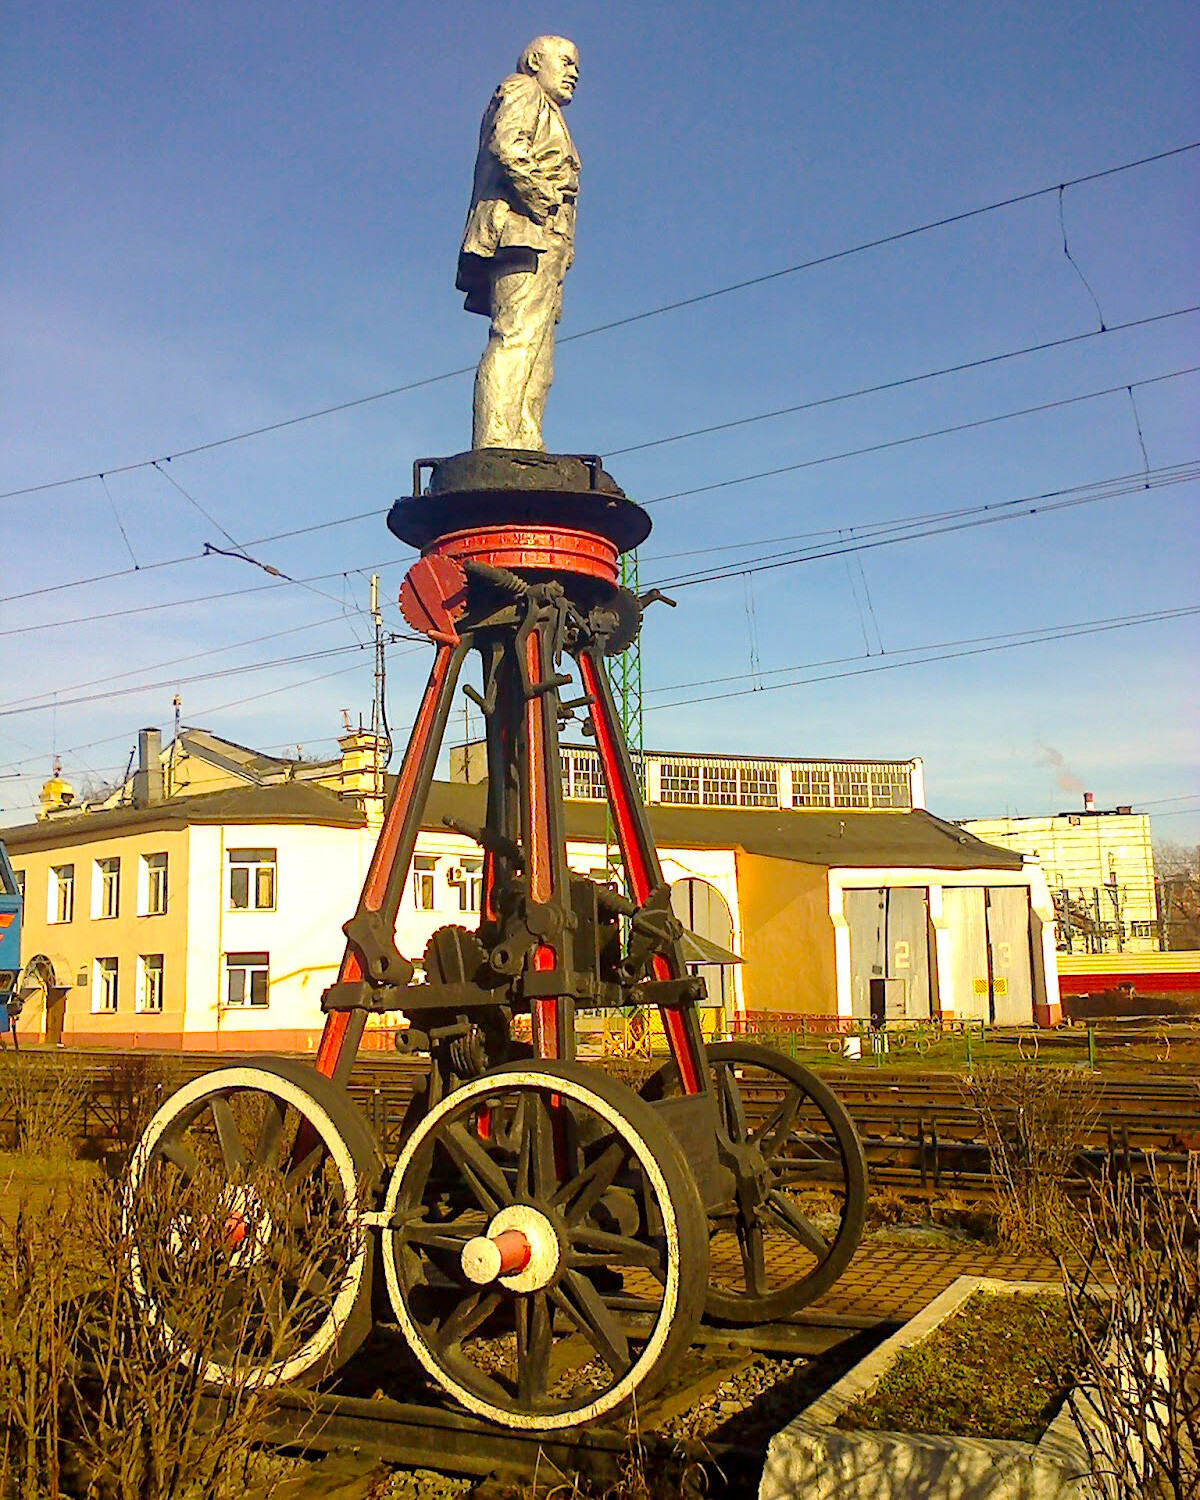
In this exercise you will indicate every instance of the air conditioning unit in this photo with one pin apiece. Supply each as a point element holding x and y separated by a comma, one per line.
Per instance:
<point>455,875</point>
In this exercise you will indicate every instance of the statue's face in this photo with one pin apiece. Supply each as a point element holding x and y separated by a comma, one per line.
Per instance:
<point>558,69</point>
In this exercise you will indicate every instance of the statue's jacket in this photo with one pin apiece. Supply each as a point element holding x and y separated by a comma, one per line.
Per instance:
<point>526,182</point>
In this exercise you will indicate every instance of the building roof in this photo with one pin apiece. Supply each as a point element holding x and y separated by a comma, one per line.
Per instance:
<point>289,802</point>
<point>905,839</point>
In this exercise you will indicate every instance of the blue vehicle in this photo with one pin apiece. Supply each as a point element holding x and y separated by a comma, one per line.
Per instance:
<point>10,943</point>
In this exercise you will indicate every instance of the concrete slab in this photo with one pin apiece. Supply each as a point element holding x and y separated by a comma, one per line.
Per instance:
<point>814,1458</point>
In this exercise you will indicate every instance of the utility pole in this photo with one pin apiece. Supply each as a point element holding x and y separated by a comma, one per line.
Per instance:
<point>626,674</point>
<point>378,709</point>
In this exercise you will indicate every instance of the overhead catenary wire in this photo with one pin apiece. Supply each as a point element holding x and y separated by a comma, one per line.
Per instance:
<point>955,651</point>
<point>899,383</point>
<point>829,258</point>
<point>965,519</point>
<point>379,512</point>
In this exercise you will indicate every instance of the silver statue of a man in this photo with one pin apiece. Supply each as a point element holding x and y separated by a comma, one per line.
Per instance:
<point>519,241</point>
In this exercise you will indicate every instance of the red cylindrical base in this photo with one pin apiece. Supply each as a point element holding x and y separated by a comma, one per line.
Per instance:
<point>557,549</point>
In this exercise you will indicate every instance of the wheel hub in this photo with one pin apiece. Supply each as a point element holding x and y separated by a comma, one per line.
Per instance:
<point>520,1250</point>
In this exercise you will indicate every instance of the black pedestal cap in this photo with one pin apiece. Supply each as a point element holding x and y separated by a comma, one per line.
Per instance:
<point>513,486</point>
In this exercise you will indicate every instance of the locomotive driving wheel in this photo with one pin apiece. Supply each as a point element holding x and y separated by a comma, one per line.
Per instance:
<point>800,1196</point>
<point>242,1211</point>
<point>545,1246</point>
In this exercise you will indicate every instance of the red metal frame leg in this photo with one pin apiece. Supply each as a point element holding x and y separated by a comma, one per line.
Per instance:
<point>343,1029</point>
<point>539,852</point>
<point>640,859</point>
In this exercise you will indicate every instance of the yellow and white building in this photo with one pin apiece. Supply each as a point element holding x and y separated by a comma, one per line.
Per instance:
<point>200,905</point>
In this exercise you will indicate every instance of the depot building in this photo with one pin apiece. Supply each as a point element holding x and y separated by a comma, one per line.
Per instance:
<point>200,905</point>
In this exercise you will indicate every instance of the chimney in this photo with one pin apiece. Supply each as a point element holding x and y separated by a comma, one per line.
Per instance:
<point>1089,802</point>
<point>148,778</point>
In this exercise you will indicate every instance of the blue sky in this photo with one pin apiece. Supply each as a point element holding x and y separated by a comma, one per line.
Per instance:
<point>224,215</point>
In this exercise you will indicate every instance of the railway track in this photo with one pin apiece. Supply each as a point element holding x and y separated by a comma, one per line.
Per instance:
<point>362,1413</point>
<point>918,1129</point>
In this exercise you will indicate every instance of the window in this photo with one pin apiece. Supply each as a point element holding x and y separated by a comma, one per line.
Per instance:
<point>470,885</point>
<point>890,786</point>
<point>1140,929</point>
<point>423,882</point>
<point>106,889</point>
<point>583,776</point>
<point>810,786</point>
<point>20,877</point>
<point>252,879</point>
<point>150,983</point>
<point>104,985</point>
<point>61,905</point>
<point>851,786</point>
<point>680,781</point>
<point>720,785</point>
<point>759,785</point>
<point>247,978</point>
<point>153,883</point>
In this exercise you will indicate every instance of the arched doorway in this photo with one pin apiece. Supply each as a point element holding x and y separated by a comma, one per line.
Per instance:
<point>705,912</point>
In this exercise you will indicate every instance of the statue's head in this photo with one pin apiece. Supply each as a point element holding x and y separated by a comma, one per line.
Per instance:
<point>554,62</point>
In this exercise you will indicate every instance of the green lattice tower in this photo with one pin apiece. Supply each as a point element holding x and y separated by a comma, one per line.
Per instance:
<point>626,674</point>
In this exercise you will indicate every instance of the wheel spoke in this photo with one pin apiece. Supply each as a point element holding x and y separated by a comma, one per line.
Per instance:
<point>731,1101</point>
<point>466,1318</point>
<point>580,1195</point>
<point>585,1307</point>
<point>596,1247</point>
<point>772,1135</point>
<point>270,1132</point>
<point>179,1156</point>
<point>435,1236</point>
<point>750,1243</point>
<point>485,1179</point>
<point>233,1153</point>
<point>781,1210</point>
<point>533,1346</point>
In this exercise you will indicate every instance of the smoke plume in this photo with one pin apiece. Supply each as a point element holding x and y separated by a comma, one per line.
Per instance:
<point>1064,779</point>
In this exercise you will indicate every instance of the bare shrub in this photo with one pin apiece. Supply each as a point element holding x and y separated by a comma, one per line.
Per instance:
<point>38,1337</point>
<point>44,1097</point>
<point>131,1088</point>
<point>1135,1249</point>
<point>114,1319</point>
<point>1035,1122</point>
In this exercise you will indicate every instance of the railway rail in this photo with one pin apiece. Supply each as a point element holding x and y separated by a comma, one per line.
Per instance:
<point>358,1415</point>
<point>918,1131</point>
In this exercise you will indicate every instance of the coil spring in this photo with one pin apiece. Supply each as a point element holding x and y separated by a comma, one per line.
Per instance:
<point>468,1055</point>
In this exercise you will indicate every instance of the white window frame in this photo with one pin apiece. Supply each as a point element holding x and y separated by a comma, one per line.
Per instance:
<point>424,882</point>
<point>248,966</point>
<point>106,986</point>
<point>150,985</point>
<point>62,878</point>
<point>255,863</point>
<point>106,888</point>
<point>470,886</point>
<point>153,887</point>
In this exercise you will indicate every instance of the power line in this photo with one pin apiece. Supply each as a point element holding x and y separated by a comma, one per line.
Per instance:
<point>1029,638</point>
<point>159,666</point>
<point>255,697</point>
<point>1002,510</point>
<point>1127,387</point>
<point>141,609</point>
<point>899,384</point>
<point>624,322</point>
<point>145,687</point>
<point>917,437</point>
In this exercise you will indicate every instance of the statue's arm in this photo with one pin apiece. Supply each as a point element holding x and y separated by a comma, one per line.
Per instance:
<point>510,141</point>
